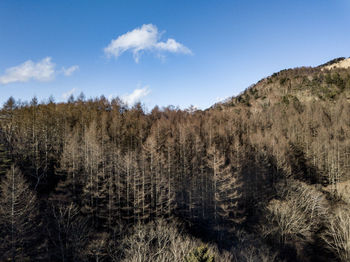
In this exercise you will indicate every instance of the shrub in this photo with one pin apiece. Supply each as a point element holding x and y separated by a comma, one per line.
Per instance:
<point>200,254</point>
<point>283,80</point>
<point>285,100</point>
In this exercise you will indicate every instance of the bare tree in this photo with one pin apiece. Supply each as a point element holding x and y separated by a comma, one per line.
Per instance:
<point>337,234</point>
<point>296,215</point>
<point>19,220</point>
<point>68,232</point>
<point>158,241</point>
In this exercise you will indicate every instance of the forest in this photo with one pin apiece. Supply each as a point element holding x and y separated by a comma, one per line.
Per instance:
<point>262,176</point>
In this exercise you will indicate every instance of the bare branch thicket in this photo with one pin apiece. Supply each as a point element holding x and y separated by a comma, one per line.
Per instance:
<point>296,215</point>
<point>68,232</point>
<point>250,249</point>
<point>337,234</point>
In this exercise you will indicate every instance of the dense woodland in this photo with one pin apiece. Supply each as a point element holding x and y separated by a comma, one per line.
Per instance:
<point>263,176</point>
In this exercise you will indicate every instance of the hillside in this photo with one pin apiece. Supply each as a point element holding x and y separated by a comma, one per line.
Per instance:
<point>263,176</point>
<point>328,82</point>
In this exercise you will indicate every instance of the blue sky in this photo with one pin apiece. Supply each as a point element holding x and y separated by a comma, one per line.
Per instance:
<point>176,53</point>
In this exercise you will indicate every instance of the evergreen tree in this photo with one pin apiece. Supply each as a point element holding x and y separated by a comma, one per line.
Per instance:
<point>200,254</point>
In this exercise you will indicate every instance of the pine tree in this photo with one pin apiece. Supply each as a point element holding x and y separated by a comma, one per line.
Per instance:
<point>200,254</point>
<point>226,193</point>
<point>69,186</point>
<point>5,161</point>
<point>19,221</point>
<point>92,168</point>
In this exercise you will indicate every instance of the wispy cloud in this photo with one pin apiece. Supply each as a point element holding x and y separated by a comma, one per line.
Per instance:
<point>136,95</point>
<point>67,94</point>
<point>42,71</point>
<point>70,70</point>
<point>144,38</point>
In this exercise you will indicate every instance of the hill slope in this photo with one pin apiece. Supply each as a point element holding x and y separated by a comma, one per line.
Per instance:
<point>308,107</point>
<point>328,82</point>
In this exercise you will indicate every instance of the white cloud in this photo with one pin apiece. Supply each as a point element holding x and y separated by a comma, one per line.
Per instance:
<point>70,70</point>
<point>144,38</point>
<point>172,46</point>
<point>42,71</point>
<point>66,95</point>
<point>136,95</point>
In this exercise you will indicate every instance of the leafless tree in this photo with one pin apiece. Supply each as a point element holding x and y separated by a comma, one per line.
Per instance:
<point>68,232</point>
<point>337,234</point>
<point>19,221</point>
